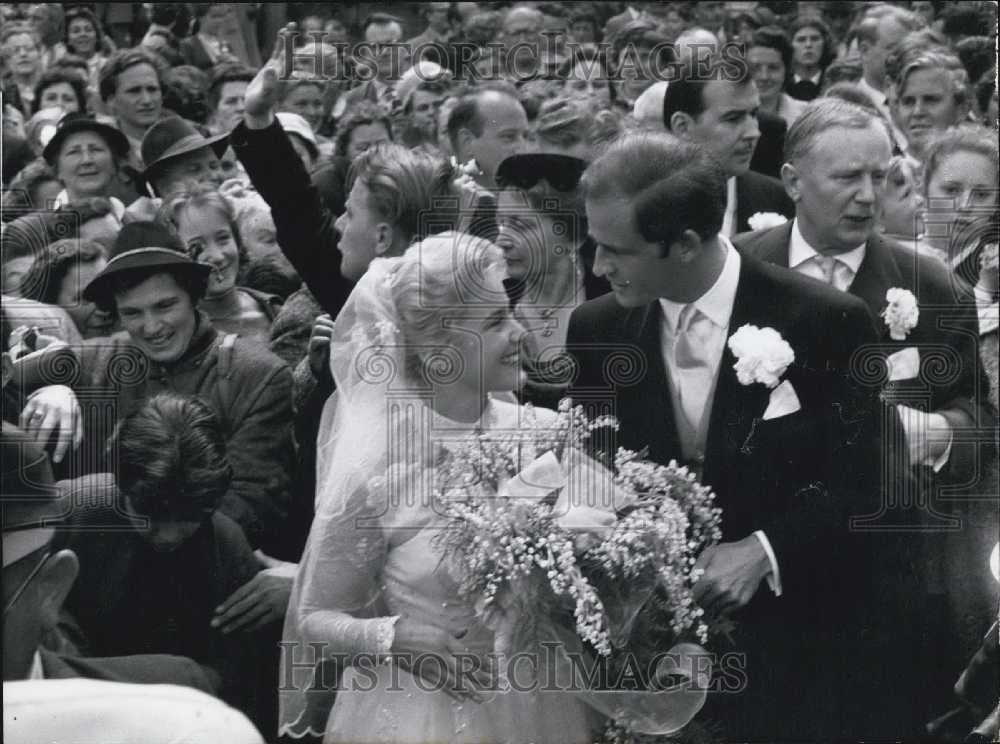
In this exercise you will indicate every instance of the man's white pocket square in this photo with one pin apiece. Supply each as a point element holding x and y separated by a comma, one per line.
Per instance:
<point>783,401</point>
<point>904,365</point>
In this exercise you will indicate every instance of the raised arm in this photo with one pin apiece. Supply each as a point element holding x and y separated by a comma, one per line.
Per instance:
<point>305,228</point>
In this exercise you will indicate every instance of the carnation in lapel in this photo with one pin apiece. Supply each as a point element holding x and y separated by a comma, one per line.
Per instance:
<point>901,314</point>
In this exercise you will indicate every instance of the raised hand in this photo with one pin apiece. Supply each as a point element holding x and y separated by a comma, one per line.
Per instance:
<point>261,95</point>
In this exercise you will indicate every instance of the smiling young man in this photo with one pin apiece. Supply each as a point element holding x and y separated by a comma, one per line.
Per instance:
<point>717,108</point>
<point>787,477</point>
<point>153,288</point>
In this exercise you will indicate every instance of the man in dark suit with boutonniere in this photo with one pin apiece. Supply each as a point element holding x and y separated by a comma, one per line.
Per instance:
<point>926,360</point>
<point>715,105</point>
<point>677,354</point>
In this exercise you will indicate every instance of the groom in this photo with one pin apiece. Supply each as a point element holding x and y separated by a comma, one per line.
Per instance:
<point>789,467</point>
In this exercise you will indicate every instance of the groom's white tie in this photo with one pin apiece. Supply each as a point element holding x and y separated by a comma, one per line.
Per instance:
<point>694,371</point>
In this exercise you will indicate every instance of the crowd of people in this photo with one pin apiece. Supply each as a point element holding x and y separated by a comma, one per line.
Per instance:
<point>212,212</point>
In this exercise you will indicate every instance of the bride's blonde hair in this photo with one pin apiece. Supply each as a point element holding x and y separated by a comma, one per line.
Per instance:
<point>431,283</point>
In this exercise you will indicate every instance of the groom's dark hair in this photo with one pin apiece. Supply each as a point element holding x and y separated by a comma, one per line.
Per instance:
<point>672,186</point>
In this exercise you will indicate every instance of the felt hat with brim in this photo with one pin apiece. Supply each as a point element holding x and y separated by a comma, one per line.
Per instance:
<point>172,137</point>
<point>523,171</point>
<point>30,502</point>
<point>142,245</point>
<point>80,122</point>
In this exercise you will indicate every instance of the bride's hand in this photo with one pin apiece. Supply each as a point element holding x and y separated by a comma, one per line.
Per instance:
<point>439,658</point>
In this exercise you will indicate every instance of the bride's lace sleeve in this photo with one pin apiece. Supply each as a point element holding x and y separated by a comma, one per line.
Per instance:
<point>339,603</point>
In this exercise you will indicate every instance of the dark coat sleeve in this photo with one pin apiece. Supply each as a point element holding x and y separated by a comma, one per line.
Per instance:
<point>160,669</point>
<point>260,451</point>
<point>305,227</point>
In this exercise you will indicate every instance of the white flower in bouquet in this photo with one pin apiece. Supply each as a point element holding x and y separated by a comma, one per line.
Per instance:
<point>762,355</point>
<point>764,220</point>
<point>901,314</point>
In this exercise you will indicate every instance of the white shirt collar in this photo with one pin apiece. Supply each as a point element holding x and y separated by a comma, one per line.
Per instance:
<point>814,79</point>
<point>36,671</point>
<point>717,303</point>
<point>799,251</point>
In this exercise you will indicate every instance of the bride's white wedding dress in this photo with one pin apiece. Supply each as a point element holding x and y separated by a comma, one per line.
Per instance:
<point>399,708</point>
<point>381,702</point>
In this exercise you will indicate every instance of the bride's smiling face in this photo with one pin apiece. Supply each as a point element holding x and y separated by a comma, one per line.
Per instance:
<point>488,341</point>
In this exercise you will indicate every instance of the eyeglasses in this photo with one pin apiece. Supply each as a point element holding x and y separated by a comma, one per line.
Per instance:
<point>24,584</point>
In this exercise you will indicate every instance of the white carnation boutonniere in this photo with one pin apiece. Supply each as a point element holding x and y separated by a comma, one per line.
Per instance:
<point>762,355</point>
<point>764,220</point>
<point>901,314</point>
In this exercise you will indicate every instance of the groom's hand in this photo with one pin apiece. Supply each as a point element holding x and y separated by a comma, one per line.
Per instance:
<point>732,574</point>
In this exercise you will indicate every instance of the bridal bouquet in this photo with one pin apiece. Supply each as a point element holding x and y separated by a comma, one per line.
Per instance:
<point>596,562</point>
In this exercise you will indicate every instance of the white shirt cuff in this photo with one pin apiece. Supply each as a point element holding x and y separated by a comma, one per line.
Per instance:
<point>942,460</point>
<point>773,578</point>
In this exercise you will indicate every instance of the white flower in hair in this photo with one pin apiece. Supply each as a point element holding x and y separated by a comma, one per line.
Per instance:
<point>762,355</point>
<point>901,314</point>
<point>764,220</point>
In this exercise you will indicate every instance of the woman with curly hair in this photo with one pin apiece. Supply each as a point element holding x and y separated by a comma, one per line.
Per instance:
<point>60,88</point>
<point>85,38</point>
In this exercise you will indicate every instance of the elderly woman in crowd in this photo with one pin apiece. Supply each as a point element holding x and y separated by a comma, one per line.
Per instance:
<point>769,55</point>
<point>543,236</point>
<point>85,39</point>
<point>85,156</point>
<point>206,224</point>
<point>60,88</point>
<point>585,76</point>
<point>22,55</point>
<point>58,276</point>
<point>931,95</point>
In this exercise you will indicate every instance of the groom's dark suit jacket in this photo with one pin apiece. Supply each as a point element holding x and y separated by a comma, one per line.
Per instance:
<point>952,381</point>
<point>799,477</point>
<point>795,477</point>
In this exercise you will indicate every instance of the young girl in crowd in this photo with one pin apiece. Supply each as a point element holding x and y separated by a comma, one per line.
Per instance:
<point>206,224</point>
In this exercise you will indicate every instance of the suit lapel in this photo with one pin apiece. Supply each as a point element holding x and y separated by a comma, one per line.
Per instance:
<point>736,406</point>
<point>877,273</point>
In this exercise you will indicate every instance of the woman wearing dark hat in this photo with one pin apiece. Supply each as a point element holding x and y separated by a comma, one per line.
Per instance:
<point>543,234</point>
<point>85,155</point>
<point>168,344</point>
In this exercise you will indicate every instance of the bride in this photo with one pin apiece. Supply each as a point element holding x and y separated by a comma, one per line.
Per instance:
<point>421,344</point>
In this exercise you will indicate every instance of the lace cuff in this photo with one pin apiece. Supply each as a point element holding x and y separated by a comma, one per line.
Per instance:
<point>385,634</point>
